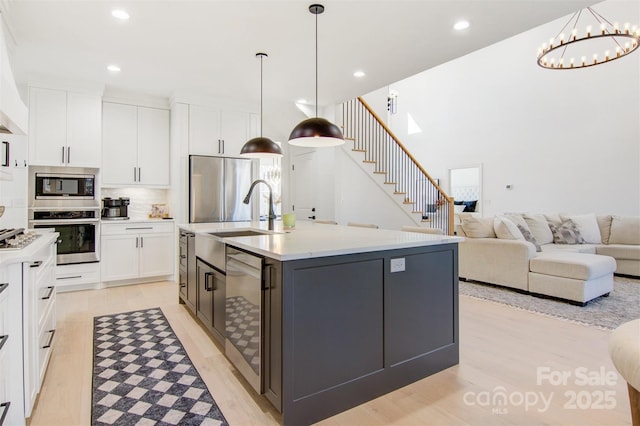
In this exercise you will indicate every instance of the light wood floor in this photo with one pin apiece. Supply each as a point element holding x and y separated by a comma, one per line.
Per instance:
<point>502,349</point>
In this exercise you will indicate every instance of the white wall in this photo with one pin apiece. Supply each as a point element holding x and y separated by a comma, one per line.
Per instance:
<point>358,197</point>
<point>567,141</point>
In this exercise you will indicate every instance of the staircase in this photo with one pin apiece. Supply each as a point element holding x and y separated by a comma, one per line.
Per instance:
<point>395,168</point>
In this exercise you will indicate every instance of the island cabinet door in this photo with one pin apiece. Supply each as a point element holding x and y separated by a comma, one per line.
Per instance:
<point>205,278</point>
<point>273,332</point>
<point>420,305</point>
<point>219,305</point>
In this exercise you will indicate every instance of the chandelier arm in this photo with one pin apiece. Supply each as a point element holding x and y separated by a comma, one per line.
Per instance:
<point>569,21</point>
<point>599,17</point>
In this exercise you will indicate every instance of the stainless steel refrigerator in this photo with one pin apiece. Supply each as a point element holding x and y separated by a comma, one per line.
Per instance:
<point>217,187</point>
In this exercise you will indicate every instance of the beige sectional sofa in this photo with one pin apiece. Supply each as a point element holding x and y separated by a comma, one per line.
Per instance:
<point>573,253</point>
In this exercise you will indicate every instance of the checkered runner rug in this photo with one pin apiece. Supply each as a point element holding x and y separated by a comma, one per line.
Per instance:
<point>143,376</point>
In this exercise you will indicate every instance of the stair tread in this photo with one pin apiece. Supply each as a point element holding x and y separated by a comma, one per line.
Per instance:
<point>369,161</point>
<point>359,150</point>
<point>380,173</point>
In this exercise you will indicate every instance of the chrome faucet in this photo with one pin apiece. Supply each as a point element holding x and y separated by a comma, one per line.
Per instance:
<point>272,214</point>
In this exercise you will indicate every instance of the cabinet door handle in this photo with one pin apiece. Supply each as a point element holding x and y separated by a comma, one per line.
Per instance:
<point>3,287</point>
<point>266,282</point>
<point>36,264</point>
<point>63,155</point>
<point>136,242</point>
<point>141,242</point>
<point>139,174</point>
<point>183,285</point>
<point>139,227</point>
<point>222,146</point>
<point>134,175</point>
<point>183,256</point>
<point>5,409</point>
<point>48,345</point>
<point>68,154</point>
<point>69,278</point>
<point>6,154</point>
<point>3,340</point>
<point>48,296</point>
<point>206,281</point>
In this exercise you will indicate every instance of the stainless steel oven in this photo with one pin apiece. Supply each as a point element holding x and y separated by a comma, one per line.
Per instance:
<point>79,240</point>
<point>62,186</point>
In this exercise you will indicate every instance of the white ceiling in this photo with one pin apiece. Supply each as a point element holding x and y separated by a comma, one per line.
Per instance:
<point>208,47</point>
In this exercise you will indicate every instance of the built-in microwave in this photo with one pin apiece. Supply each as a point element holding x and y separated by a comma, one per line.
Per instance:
<point>62,186</point>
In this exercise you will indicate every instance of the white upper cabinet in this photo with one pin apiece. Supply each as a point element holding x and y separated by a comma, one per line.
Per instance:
<point>64,128</point>
<point>135,145</point>
<point>153,146</point>
<point>218,131</point>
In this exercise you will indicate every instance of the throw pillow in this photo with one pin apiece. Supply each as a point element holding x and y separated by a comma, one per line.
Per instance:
<point>478,227</point>
<point>625,230</point>
<point>518,220</point>
<point>588,227</point>
<point>470,206</point>
<point>539,228</point>
<point>566,233</point>
<point>553,218</point>
<point>505,229</point>
<point>529,237</point>
<point>604,223</point>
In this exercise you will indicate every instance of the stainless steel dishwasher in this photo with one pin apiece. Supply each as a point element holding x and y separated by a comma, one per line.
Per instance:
<point>244,303</point>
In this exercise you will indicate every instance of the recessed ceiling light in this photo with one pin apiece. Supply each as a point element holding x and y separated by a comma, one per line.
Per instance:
<point>113,68</point>
<point>461,25</point>
<point>359,74</point>
<point>120,14</point>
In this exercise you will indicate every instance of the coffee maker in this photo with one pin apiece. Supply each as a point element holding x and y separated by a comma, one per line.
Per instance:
<point>115,208</point>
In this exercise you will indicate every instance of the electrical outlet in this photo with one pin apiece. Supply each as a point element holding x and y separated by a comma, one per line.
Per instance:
<point>397,265</point>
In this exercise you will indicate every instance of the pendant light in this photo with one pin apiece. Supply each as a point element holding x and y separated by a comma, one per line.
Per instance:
<point>261,147</point>
<point>316,131</point>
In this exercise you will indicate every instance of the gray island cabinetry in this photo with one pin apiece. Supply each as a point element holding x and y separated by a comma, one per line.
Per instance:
<point>363,313</point>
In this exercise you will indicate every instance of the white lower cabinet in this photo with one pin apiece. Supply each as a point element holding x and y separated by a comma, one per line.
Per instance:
<point>77,276</point>
<point>27,327</point>
<point>39,316</point>
<point>137,250</point>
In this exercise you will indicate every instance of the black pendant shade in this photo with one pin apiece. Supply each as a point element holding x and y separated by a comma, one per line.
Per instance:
<point>261,147</point>
<point>316,131</point>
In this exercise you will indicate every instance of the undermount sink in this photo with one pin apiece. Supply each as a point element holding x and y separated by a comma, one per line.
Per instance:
<point>239,233</point>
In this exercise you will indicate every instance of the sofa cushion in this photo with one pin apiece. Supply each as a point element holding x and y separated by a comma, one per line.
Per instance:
<point>505,229</point>
<point>478,227</point>
<point>625,230</point>
<point>587,225</point>
<point>528,236</point>
<point>570,248</point>
<point>579,266</point>
<point>539,227</point>
<point>566,233</point>
<point>620,251</point>
<point>604,223</point>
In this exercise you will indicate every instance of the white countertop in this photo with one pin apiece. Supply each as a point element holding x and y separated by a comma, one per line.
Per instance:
<point>309,240</point>
<point>24,255</point>
<point>136,220</point>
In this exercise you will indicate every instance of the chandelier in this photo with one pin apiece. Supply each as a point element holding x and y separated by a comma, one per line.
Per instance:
<point>597,46</point>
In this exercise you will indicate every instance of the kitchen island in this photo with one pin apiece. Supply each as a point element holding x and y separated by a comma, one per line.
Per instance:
<point>347,314</point>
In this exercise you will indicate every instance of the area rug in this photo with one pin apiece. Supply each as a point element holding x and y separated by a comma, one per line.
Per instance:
<point>143,376</point>
<point>622,305</point>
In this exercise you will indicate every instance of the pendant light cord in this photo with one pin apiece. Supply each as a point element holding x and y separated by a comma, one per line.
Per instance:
<point>316,65</point>
<point>261,58</point>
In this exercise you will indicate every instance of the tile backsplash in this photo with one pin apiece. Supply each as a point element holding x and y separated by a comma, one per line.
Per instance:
<point>141,199</point>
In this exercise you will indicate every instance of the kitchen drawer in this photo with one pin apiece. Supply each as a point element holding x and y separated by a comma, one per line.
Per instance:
<point>136,228</point>
<point>45,342</point>
<point>81,273</point>
<point>46,302</point>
